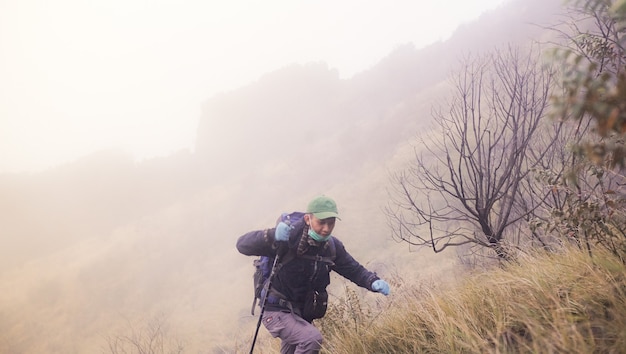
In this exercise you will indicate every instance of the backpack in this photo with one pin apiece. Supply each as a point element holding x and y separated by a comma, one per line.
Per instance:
<point>264,264</point>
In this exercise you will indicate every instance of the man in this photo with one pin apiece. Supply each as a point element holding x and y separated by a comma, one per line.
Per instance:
<point>307,253</point>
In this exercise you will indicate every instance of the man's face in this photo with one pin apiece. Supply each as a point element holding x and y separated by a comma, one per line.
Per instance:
<point>323,227</point>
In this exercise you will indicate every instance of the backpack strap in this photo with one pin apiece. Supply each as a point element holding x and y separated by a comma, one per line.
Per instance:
<point>287,257</point>
<point>330,260</point>
<point>333,249</point>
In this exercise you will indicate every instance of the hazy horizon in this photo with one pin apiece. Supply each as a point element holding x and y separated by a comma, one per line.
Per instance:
<point>79,77</point>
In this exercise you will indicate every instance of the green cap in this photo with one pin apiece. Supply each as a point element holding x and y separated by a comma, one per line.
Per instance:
<point>323,208</point>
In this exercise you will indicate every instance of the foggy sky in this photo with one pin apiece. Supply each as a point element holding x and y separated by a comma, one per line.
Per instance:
<point>79,76</point>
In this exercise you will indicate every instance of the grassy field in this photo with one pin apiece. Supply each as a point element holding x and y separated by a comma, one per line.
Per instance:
<point>563,302</point>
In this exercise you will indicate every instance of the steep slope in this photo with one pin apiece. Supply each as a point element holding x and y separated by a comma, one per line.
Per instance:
<point>104,243</point>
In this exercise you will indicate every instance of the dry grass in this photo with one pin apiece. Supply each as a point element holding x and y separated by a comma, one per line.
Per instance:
<point>546,303</point>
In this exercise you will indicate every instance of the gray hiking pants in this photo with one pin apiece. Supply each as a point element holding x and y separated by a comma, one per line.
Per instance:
<point>297,335</point>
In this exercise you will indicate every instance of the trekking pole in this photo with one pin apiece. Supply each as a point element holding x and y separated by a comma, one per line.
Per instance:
<point>264,302</point>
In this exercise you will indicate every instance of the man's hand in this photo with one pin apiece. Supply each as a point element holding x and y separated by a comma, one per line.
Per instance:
<point>381,286</point>
<point>282,232</point>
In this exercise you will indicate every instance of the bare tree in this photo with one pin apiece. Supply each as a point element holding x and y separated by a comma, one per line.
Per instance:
<point>464,185</point>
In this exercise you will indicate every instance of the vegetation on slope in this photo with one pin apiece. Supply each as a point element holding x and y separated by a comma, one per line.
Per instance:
<point>563,302</point>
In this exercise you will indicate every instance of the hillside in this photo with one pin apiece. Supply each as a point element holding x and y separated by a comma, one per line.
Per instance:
<point>562,302</point>
<point>103,245</point>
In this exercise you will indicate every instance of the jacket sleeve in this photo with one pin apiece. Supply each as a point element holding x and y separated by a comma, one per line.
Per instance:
<point>263,242</point>
<point>350,269</point>
<point>257,243</point>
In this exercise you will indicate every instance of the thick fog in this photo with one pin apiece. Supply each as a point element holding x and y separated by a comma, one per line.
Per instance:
<point>102,245</point>
<point>79,76</point>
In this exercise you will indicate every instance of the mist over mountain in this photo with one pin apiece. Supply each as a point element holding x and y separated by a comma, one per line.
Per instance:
<point>96,244</point>
<point>307,110</point>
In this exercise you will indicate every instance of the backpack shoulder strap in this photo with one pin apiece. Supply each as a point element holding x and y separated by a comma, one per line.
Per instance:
<point>292,254</point>
<point>333,248</point>
<point>287,257</point>
<point>330,259</point>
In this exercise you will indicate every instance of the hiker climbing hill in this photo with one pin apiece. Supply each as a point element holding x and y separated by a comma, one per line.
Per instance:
<point>304,253</point>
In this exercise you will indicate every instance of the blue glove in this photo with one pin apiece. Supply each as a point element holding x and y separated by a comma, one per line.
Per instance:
<point>282,232</point>
<point>381,286</point>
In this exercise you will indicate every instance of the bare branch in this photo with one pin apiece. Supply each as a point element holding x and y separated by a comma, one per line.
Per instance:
<point>464,184</point>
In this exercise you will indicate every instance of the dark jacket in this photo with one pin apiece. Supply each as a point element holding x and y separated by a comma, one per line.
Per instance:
<point>300,274</point>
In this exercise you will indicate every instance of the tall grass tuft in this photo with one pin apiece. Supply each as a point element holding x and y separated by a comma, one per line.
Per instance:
<point>562,302</point>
